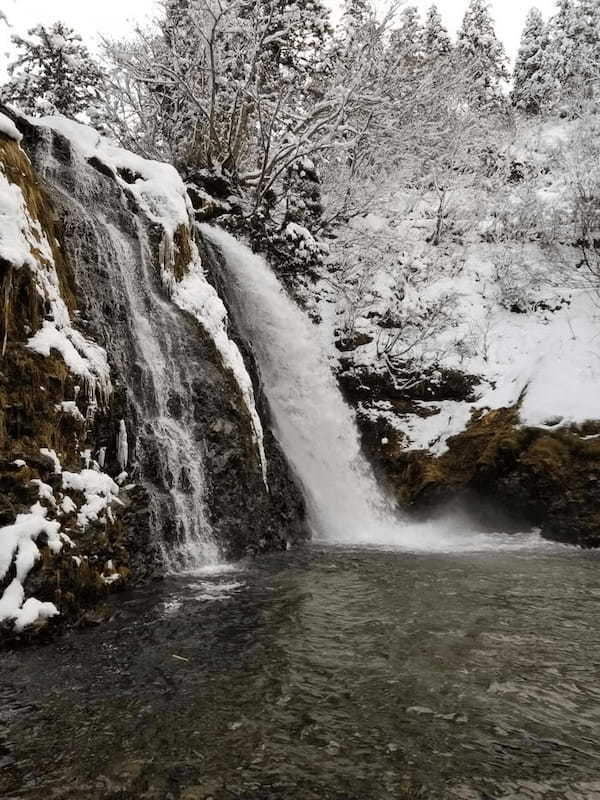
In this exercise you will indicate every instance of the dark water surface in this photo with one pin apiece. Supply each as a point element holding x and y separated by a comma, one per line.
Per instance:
<point>325,674</point>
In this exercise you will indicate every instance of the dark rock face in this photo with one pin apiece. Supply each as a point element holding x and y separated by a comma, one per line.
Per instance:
<point>244,517</point>
<point>108,261</point>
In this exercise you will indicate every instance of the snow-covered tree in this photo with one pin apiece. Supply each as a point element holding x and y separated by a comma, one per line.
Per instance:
<point>531,84</point>
<point>52,72</point>
<point>405,50</point>
<point>560,55</point>
<point>243,88</point>
<point>436,41</point>
<point>481,52</point>
<point>587,33</point>
<point>572,58</point>
<point>356,14</point>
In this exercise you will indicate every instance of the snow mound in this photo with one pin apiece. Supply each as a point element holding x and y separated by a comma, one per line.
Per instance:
<point>100,492</point>
<point>18,542</point>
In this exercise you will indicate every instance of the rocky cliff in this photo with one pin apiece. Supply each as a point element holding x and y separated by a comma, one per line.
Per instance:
<point>130,439</point>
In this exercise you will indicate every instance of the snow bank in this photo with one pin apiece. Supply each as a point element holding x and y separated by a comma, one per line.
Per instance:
<point>500,298</point>
<point>17,229</point>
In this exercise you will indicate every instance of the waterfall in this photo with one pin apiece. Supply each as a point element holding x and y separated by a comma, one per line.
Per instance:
<point>318,430</point>
<point>165,403</point>
<point>152,347</point>
<point>314,425</point>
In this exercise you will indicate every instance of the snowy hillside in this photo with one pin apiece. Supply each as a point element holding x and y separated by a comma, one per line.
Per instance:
<point>501,299</point>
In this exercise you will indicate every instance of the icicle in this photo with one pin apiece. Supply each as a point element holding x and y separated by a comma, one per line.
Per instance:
<point>122,446</point>
<point>101,457</point>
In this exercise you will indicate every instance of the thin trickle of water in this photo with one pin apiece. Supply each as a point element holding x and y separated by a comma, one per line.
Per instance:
<point>315,426</point>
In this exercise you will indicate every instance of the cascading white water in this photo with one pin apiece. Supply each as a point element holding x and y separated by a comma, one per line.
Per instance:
<point>155,324</point>
<point>314,425</point>
<point>147,335</point>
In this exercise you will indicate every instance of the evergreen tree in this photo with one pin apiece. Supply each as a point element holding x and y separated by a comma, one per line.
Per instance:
<point>482,55</point>
<point>587,48</point>
<point>405,52</point>
<point>561,54</point>
<point>436,41</point>
<point>530,78</point>
<point>52,73</point>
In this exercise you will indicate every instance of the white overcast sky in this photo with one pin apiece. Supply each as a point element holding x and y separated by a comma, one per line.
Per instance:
<point>117,17</point>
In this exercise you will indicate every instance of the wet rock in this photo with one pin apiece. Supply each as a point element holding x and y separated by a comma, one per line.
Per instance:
<point>247,518</point>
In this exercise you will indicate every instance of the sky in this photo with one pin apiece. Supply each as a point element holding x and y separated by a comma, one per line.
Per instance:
<point>117,17</point>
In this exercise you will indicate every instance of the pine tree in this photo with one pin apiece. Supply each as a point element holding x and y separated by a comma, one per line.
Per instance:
<point>587,54</point>
<point>405,52</point>
<point>482,55</point>
<point>561,54</point>
<point>53,73</point>
<point>436,41</point>
<point>530,78</point>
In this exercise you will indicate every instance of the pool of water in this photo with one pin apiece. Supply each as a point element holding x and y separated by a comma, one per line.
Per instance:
<point>322,674</point>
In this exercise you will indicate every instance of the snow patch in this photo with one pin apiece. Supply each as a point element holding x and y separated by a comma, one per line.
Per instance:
<point>51,454</point>
<point>157,186</point>
<point>8,127</point>
<point>18,542</point>
<point>70,407</point>
<point>100,492</point>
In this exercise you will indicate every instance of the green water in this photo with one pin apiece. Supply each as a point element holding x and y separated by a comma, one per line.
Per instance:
<point>325,674</point>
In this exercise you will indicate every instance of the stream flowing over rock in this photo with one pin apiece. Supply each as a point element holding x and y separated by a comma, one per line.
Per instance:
<point>130,440</point>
